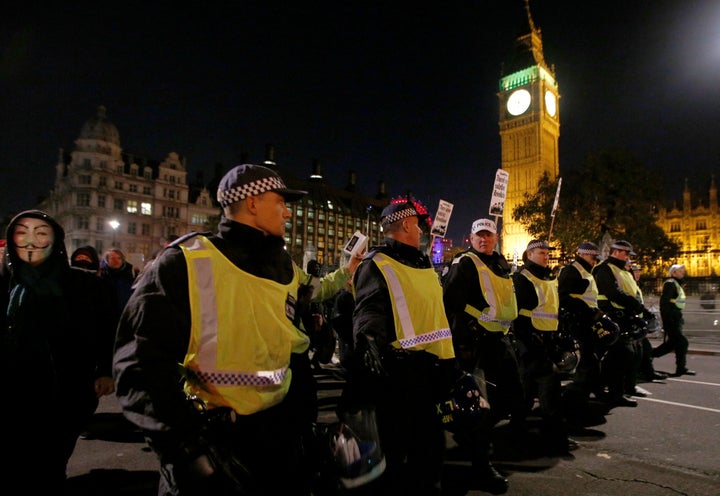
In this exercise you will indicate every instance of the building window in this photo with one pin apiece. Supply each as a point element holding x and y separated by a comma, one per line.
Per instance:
<point>118,185</point>
<point>145,229</point>
<point>103,164</point>
<point>100,224</point>
<point>132,228</point>
<point>171,194</point>
<point>132,206</point>
<point>148,174</point>
<point>101,201</point>
<point>147,190</point>
<point>146,208</point>
<point>118,204</point>
<point>700,225</point>
<point>120,169</point>
<point>87,164</point>
<point>200,219</point>
<point>83,222</point>
<point>83,199</point>
<point>102,182</point>
<point>85,180</point>
<point>675,227</point>
<point>132,188</point>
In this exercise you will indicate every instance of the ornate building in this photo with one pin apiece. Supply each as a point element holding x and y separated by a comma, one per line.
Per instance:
<point>695,227</point>
<point>106,197</point>
<point>529,124</point>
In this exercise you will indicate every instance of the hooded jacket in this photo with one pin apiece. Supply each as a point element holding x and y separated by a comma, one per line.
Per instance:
<point>56,329</point>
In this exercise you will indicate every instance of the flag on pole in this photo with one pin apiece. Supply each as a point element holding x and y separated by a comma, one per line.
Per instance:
<point>557,198</point>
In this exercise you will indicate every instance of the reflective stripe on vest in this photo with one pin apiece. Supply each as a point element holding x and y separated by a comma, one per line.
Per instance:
<point>626,283</point>
<point>680,300</point>
<point>238,375</point>
<point>499,294</point>
<point>429,329</point>
<point>590,296</point>
<point>545,316</point>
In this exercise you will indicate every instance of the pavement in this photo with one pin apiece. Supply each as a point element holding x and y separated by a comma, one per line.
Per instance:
<point>115,460</point>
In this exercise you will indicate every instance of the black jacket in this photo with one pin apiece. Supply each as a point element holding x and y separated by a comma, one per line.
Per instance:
<point>608,286</point>
<point>373,314</point>
<point>571,282</point>
<point>56,330</point>
<point>527,297</point>
<point>154,331</point>
<point>461,286</point>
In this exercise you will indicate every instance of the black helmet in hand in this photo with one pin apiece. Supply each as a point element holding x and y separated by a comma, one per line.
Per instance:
<point>606,331</point>
<point>464,407</point>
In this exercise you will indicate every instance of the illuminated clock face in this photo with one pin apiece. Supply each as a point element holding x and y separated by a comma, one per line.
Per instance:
<point>550,103</point>
<point>518,102</point>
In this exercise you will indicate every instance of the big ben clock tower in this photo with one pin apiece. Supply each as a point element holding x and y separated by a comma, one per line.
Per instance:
<point>529,130</point>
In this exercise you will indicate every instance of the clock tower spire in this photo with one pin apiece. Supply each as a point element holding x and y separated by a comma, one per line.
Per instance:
<point>529,123</point>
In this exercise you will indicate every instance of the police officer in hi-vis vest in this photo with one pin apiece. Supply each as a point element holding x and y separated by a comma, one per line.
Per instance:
<point>618,297</point>
<point>211,320</point>
<point>672,304</point>
<point>535,328</point>
<point>404,354</point>
<point>480,304</point>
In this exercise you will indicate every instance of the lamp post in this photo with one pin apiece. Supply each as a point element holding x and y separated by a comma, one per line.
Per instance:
<point>114,224</point>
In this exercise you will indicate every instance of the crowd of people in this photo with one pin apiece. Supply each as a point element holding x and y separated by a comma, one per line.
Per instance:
<point>212,350</point>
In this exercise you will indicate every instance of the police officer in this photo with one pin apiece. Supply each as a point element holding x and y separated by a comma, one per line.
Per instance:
<point>593,330</point>
<point>212,318</point>
<point>403,352</point>
<point>619,299</point>
<point>535,329</point>
<point>672,303</point>
<point>480,304</point>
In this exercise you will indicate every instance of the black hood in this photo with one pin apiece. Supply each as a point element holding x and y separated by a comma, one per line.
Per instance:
<point>58,254</point>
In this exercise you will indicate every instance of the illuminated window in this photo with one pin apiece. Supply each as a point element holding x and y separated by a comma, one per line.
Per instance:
<point>146,208</point>
<point>132,206</point>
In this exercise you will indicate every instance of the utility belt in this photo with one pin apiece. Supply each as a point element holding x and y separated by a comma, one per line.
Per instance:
<point>479,332</point>
<point>213,418</point>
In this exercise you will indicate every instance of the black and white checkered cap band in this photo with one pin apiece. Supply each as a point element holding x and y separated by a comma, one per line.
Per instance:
<point>538,244</point>
<point>250,189</point>
<point>588,251</point>
<point>396,216</point>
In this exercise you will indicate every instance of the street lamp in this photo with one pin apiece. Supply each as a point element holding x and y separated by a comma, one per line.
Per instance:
<point>114,224</point>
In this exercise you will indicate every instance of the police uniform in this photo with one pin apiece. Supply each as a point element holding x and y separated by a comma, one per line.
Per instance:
<point>618,298</point>
<point>580,315</point>
<point>672,304</point>
<point>535,327</point>
<point>480,304</point>
<point>212,318</point>
<point>398,308</point>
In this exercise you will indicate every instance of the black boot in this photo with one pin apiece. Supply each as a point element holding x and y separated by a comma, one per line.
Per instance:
<point>488,479</point>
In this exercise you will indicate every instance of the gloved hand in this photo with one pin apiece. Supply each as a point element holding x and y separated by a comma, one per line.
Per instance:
<point>369,355</point>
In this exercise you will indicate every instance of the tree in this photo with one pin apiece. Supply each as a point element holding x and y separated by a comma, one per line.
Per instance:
<point>612,192</point>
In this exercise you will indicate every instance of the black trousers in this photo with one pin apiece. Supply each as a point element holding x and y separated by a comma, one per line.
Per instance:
<point>675,341</point>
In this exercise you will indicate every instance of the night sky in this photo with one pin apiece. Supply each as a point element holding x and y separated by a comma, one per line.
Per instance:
<point>396,91</point>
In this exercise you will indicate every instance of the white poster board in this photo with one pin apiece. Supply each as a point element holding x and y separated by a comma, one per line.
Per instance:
<point>497,202</point>
<point>442,219</point>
